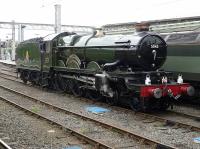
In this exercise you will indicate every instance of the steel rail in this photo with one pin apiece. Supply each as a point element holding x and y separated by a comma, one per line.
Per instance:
<point>185,115</point>
<point>95,143</point>
<point>8,65</point>
<point>3,145</point>
<point>9,70</point>
<point>142,139</point>
<point>146,115</point>
<point>8,74</point>
<point>170,122</point>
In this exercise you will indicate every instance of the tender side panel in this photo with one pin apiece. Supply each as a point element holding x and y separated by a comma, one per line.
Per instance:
<point>28,56</point>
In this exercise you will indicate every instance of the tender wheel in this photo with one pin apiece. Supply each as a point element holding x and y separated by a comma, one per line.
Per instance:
<point>51,82</point>
<point>56,84</point>
<point>24,76</point>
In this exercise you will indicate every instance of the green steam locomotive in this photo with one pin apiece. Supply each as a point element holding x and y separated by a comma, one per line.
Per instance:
<point>117,68</point>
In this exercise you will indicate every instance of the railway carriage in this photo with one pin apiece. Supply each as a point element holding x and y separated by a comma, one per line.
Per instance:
<point>117,68</point>
<point>183,55</point>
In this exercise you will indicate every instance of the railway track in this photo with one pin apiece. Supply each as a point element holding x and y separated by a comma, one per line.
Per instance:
<point>5,141</point>
<point>194,117</point>
<point>168,122</point>
<point>12,70</point>
<point>132,138</point>
<point>185,108</point>
<point>168,117</point>
<point>162,117</point>
<point>23,131</point>
<point>8,65</point>
<point>8,74</point>
<point>3,145</point>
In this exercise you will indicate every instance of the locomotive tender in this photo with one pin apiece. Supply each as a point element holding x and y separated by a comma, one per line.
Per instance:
<point>120,68</point>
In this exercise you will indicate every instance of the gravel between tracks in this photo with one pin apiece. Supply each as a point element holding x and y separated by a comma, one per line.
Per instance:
<point>26,132</point>
<point>88,128</point>
<point>188,109</point>
<point>177,137</point>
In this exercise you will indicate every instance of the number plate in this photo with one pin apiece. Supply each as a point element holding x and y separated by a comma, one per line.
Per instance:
<point>154,46</point>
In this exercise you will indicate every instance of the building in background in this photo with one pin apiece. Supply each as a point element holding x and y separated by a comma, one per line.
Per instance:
<point>6,49</point>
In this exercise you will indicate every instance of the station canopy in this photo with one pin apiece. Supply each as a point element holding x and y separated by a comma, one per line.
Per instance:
<point>159,26</point>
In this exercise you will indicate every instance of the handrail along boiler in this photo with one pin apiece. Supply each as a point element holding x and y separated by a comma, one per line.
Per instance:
<point>120,68</point>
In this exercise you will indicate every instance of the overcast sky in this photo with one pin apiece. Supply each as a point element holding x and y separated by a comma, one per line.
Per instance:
<point>96,12</point>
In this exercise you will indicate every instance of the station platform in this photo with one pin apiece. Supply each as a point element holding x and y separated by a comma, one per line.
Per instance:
<point>8,62</point>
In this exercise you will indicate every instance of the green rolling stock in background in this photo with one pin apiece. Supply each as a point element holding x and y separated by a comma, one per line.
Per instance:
<point>183,55</point>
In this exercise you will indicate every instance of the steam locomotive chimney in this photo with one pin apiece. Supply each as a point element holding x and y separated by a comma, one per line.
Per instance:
<point>141,27</point>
